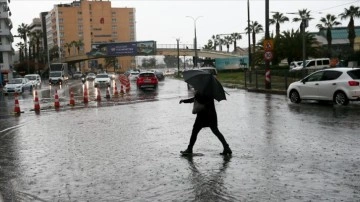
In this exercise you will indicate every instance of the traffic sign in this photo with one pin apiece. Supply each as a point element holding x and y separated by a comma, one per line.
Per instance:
<point>268,45</point>
<point>268,55</point>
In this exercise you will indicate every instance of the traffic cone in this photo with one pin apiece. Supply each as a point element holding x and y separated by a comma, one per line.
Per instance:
<point>107,93</point>
<point>86,98</point>
<point>127,87</point>
<point>17,106</point>
<point>116,93</point>
<point>72,101</point>
<point>36,102</point>
<point>98,98</point>
<point>56,103</point>
<point>122,90</point>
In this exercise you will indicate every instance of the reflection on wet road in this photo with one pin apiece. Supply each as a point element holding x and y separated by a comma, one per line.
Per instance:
<point>128,150</point>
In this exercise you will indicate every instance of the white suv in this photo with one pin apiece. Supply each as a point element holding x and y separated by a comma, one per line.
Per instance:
<point>34,79</point>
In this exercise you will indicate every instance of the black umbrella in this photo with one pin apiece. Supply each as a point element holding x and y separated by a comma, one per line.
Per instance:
<point>205,83</point>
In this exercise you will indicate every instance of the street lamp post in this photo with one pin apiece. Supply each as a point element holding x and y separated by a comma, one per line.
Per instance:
<point>178,55</point>
<point>195,40</point>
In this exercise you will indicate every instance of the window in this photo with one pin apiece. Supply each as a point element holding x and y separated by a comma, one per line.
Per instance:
<point>311,63</point>
<point>318,62</point>
<point>314,77</point>
<point>354,74</point>
<point>330,75</point>
<point>326,62</point>
<point>113,20</point>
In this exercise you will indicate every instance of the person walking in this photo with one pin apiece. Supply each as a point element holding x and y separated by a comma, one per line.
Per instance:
<point>205,118</point>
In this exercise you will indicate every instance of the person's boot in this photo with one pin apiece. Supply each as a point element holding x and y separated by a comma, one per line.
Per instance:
<point>227,150</point>
<point>187,151</point>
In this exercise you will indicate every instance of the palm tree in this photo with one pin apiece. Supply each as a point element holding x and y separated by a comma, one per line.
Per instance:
<point>277,19</point>
<point>235,36</point>
<point>78,44</point>
<point>227,41</point>
<point>23,31</point>
<point>328,22</point>
<point>68,47</point>
<point>304,15</point>
<point>214,38</point>
<point>352,12</point>
<point>21,47</point>
<point>254,28</point>
<point>209,45</point>
<point>37,35</point>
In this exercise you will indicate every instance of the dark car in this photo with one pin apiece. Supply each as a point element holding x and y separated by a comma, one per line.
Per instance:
<point>159,75</point>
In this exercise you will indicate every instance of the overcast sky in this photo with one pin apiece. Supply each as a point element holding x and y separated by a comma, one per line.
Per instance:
<point>164,21</point>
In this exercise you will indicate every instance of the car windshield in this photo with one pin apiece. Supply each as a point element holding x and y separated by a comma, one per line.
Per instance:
<point>91,74</point>
<point>15,81</point>
<point>134,73</point>
<point>31,77</point>
<point>354,74</point>
<point>55,74</point>
<point>102,76</point>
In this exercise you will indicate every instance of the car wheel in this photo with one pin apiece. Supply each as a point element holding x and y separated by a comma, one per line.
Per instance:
<point>294,97</point>
<point>340,98</point>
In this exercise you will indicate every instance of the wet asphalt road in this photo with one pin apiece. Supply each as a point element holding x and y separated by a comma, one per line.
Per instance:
<point>127,149</point>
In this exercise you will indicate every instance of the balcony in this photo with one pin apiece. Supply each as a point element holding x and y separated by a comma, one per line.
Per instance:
<point>4,32</point>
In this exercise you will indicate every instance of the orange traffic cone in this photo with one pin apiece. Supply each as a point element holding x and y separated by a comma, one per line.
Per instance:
<point>56,103</point>
<point>107,93</point>
<point>116,93</point>
<point>17,106</point>
<point>127,87</point>
<point>86,98</point>
<point>36,102</point>
<point>98,98</point>
<point>122,90</point>
<point>72,101</point>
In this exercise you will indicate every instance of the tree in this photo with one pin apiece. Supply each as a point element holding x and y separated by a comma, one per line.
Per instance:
<point>290,46</point>
<point>23,31</point>
<point>277,19</point>
<point>216,41</point>
<point>227,42</point>
<point>235,36</point>
<point>68,47</point>
<point>254,28</point>
<point>209,45</point>
<point>304,15</point>
<point>78,44</point>
<point>110,62</point>
<point>21,47</point>
<point>352,12</point>
<point>328,22</point>
<point>36,36</point>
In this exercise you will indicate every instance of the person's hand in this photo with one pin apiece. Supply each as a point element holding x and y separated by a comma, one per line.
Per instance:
<point>181,101</point>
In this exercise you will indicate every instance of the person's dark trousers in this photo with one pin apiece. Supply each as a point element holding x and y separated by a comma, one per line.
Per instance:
<point>214,129</point>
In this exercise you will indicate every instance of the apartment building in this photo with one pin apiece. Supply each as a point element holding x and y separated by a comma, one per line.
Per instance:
<point>86,22</point>
<point>6,39</point>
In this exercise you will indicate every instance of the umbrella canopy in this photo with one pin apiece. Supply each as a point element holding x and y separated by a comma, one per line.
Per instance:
<point>205,83</point>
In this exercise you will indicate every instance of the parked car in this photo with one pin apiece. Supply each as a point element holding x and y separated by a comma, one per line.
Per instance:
<point>77,75</point>
<point>35,80</point>
<point>102,80</point>
<point>18,85</point>
<point>147,80</point>
<point>295,65</point>
<point>314,64</point>
<point>339,85</point>
<point>90,76</point>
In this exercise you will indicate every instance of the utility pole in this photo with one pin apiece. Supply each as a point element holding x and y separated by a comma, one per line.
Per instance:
<point>178,56</point>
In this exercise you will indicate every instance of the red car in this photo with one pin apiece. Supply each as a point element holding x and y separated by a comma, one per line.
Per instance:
<point>147,80</point>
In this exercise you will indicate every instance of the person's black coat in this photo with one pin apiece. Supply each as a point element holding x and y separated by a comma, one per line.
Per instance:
<point>206,117</point>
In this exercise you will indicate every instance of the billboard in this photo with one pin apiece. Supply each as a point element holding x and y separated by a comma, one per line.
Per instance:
<point>232,63</point>
<point>135,48</point>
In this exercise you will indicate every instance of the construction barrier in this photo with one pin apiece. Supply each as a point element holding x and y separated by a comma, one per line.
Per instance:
<point>98,98</point>
<point>17,106</point>
<point>36,102</point>
<point>107,93</point>
<point>72,100</point>
<point>86,97</point>
<point>56,103</point>
<point>116,93</point>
